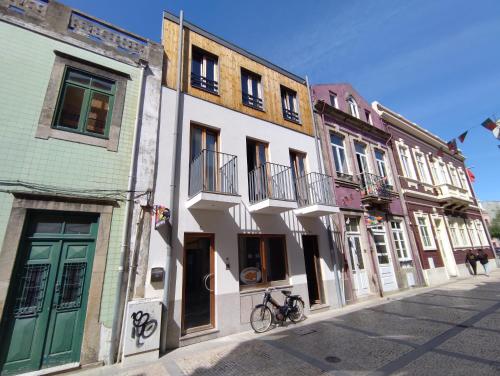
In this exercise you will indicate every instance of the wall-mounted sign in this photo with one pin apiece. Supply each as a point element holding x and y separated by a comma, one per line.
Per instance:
<point>162,215</point>
<point>250,275</point>
<point>373,221</point>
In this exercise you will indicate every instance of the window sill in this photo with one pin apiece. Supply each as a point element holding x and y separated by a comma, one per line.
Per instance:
<point>216,93</point>
<point>45,133</point>
<point>298,122</point>
<point>261,109</point>
<point>433,249</point>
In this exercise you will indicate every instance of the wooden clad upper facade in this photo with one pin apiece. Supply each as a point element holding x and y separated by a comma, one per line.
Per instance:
<point>231,60</point>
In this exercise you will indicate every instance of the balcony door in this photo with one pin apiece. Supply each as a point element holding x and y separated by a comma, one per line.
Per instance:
<point>362,163</point>
<point>298,166</point>
<point>203,158</point>
<point>258,179</point>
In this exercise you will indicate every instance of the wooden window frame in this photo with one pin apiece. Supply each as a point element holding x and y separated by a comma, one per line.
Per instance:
<point>194,235</point>
<point>264,283</point>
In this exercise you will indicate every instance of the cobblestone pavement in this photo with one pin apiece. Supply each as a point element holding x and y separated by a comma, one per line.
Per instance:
<point>450,330</point>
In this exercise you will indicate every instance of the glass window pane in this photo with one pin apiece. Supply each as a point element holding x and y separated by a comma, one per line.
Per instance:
<point>359,148</point>
<point>71,107</point>
<point>77,228</point>
<point>48,226</point>
<point>196,63</point>
<point>249,260</point>
<point>77,77</point>
<point>359,255</point>
<point>336,139</point>
<point>101,84</point>
<point>379,155</point>
<point>98,113</point>
<point>275,259</point>
<point>210,70</point>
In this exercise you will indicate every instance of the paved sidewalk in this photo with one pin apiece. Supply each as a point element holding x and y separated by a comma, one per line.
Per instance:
<point>453,329</point>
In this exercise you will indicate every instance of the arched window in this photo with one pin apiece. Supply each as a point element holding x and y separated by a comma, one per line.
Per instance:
<point>353,107</point>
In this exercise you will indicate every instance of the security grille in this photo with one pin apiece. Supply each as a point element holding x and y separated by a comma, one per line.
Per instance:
<point>32,290</point>
<point>72,285</point>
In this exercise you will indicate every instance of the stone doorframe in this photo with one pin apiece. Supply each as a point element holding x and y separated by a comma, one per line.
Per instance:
<point>13,235</point>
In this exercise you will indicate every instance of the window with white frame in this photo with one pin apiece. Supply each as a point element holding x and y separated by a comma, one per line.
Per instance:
<point>251,89</point>
<point>289,104</point>
<point>339,153</point>
<point>425,232</point>
<point>382,167</point>
<point>405,158</point>
<point>422,169</point>
<point>463,179</point>
<point>453,226</point>
<point>453,176</point>
<point>333,99</point>
<point>353,107</point>
<point>443,173</point>
<point>398,234</point>
<point>482,233</point>
<point>204,72</point>
<point>474,234</point>
<point>462,231</point>
<point>368,117</point>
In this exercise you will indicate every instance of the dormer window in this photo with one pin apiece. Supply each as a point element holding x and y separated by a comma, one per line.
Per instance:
<point>333,100</point>
<point>368,117</point>
<point>353,107</point>
<point>289,104</point>
<point>204,72</point>
<point>251,89</point>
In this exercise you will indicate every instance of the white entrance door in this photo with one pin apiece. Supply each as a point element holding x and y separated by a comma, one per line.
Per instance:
<point>385,267</point>
<point>361,286</point>
<point>445,247</point>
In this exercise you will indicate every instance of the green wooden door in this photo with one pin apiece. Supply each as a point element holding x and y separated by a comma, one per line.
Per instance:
<point>45,313</point>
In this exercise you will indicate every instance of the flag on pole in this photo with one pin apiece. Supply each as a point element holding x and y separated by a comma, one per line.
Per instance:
<point>452,145</point>
<point>489,124</point>
<point>462,137</point>
<point>472,177</point>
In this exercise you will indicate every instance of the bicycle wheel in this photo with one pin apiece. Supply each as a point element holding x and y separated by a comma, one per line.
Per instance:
<point>298,315</point>
<point>261,319</point>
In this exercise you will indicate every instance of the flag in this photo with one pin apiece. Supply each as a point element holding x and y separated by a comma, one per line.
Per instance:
<point>489,124</point>
<point>496,132</point>
<point>472,177</point>
<point>452,145</point>
<point>462,137</point>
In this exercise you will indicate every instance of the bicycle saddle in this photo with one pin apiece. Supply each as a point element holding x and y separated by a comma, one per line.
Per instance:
<point>286,292</point>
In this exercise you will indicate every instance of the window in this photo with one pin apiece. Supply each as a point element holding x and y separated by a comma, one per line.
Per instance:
<point>362,162</point>
<point>339,154</point>
<point>368,116</point>
<point>464,238</point>
<point>204,73</point>
<point>352,224</point>
<point>400,242</point>
<point>423,172</point>
<point>453,225</point>
<point>454,176</point>
<point>381,164</point>
<point>353,107</point>
<point>251,89</point>
<point>289,104</point>
<point>425,232</point>
<point>262,260</point>
<point>473,232</point>
<point>204,161</point>
<point>85,104</point>
<point>482,234</point>
<point>333,100</point>
<point>405,161</point>
<point>463,180</point>
<point>443,174</point>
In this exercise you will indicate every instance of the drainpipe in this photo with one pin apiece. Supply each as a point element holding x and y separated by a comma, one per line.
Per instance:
<point>125,247</point>
<point>340,296</point>
<point>173,179</point>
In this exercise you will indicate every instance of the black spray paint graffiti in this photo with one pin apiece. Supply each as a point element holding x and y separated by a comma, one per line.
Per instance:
<point>144,327</point>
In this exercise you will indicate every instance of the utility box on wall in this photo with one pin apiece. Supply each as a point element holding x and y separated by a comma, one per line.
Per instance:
<point>141,340</point>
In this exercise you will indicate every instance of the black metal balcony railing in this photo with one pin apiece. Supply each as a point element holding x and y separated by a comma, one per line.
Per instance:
<point>270,181</point>
<point>314,189</point>
<point>252,101</point>
<point>214,172</point>
<point>204,83</point>
<point>290,115</point>
<point>374,186</point>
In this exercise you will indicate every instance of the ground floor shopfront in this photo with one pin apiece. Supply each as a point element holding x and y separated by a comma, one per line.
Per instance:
<point>378,254</point>
<point>443,238</point>
<point>52,263</point>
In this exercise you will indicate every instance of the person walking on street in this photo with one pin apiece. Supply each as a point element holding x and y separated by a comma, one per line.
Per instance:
<point>483,259</point>
<point>470,258</point>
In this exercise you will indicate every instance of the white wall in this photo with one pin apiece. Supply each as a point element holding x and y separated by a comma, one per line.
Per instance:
<point>234,129</point>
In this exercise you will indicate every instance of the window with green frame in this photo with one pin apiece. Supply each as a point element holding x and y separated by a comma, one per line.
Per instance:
<point>85,104</point>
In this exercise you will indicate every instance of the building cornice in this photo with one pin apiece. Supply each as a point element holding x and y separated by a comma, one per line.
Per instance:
<point>407,126</point>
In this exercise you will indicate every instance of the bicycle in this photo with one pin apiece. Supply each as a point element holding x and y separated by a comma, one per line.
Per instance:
<point>270,311</point>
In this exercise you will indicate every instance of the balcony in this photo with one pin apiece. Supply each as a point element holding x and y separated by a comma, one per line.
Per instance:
<point>291,115</point>
<point>213,181</point>
<point>315,195</point>
<point>271,189</point>
<point>252,101</point>
<point>204,83</point>
<point>375,189</point>
<point>453,197</point>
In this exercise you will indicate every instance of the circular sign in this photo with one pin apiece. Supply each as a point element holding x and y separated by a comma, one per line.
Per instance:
<point>250,275</point>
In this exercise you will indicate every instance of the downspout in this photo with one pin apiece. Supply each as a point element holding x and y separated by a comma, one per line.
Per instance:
<point>125,245</point>
<point>340,296</point>
<point>173,177</point>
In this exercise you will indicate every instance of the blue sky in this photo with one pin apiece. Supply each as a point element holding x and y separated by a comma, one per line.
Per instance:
<point>435,62</point>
